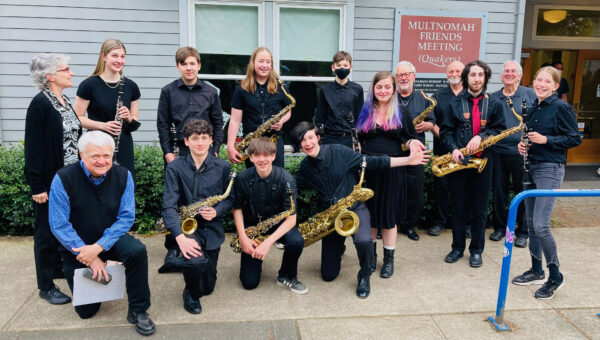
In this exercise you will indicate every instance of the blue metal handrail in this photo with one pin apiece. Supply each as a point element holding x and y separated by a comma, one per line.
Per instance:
<point>498,321</point>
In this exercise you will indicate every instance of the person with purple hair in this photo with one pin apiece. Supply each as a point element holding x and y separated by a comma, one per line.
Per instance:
<point>383,129</point>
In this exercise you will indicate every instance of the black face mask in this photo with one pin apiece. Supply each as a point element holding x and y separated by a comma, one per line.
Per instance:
<point>342,73</point>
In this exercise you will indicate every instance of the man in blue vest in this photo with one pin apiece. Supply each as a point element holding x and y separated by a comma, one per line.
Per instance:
<point>92,208</point>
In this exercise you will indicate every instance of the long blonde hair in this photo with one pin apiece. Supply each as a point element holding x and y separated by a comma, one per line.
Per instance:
<point>249,83</point>
<point>107,46</point>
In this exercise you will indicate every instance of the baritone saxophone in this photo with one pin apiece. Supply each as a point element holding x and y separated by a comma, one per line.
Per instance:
<point>337,217</point>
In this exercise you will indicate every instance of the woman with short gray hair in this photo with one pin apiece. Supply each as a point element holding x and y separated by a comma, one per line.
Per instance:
<point>52,130</point>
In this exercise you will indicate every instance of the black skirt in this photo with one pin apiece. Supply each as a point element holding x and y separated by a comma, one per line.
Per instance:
<point>388,206</point>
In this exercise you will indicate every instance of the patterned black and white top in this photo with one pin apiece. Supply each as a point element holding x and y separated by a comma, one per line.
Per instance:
<point>71,126</point>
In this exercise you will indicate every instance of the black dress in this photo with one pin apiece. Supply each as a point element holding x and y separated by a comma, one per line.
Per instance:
<point>388,205</point>
<point>102,108</point>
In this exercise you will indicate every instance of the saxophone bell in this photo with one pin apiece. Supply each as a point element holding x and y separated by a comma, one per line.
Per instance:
<point>346,223</point>
<point>189,226</point>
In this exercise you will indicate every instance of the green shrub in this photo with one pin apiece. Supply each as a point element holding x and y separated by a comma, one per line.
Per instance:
<point>16,205</point>
<point>149,179</point>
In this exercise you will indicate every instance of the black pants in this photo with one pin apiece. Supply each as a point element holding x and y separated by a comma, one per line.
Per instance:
<point>45,248</point>
<point>414,192</point>
<point>441,202</point>
<point>200,273</point>
<point>508,170</point>
<point>332,248</point>
<point>133,254</point>
<point>251,269</point>
<point>279,156</point>
<point>470,195</point>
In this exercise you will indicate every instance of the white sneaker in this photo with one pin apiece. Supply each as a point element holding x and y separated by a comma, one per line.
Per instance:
<point>279,245</point>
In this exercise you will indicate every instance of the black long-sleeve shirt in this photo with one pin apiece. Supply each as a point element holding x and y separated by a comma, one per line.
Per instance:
<point>184,185</point>
<point>456,131</point>
<point>263,198</point>
<point>444,97</point>
<point>179,103</point>
<point>554,119</point>
<point>332,172</point>
<point>336,103</point>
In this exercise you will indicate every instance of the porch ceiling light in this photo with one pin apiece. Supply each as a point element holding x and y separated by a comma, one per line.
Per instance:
<point>555,15</point>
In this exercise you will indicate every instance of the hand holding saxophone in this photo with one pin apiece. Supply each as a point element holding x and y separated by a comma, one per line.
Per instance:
<point>207,213</point>
<point>424,126</point>
<point>473,144</point>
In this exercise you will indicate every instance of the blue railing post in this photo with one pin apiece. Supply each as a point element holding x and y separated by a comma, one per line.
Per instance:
<point>498,320</point>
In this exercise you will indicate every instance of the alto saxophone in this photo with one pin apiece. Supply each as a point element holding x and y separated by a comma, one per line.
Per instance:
<point>187,213</point>
<point>258,233</point>
<point>266,126</point>
<point>337,217</point>
<point>443,165</point>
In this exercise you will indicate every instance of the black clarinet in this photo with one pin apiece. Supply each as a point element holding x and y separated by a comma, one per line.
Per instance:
<point>118,118</point>
<point>350,119</point>
<point>174,140</point>
<point>525,140</point>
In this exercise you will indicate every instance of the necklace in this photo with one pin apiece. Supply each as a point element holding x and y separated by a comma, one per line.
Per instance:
<point>405,103</point>
<point>112,87</point>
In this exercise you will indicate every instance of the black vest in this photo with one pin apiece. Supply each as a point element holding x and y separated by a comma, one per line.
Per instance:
<point>94,208</point>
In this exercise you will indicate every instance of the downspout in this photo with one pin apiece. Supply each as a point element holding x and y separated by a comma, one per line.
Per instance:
<point>519,29</point>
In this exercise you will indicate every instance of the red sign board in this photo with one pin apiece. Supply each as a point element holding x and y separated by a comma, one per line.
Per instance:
<point>433,42</point>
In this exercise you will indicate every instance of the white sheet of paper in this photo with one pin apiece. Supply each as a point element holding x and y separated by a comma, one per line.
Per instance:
<point>86,291</point>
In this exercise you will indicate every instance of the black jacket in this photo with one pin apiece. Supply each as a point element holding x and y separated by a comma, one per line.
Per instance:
<point>43,144</point>
<point>554,119</point>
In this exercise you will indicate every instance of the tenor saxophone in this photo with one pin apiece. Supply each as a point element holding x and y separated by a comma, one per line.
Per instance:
<point>258,233</point>
<point>187,213</point>
<point>443,165</point>
<point>421,117</point>
<point>266,126</point>
<point>337,217</point>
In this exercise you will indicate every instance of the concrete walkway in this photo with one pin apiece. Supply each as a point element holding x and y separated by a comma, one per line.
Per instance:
<point>425,299</point>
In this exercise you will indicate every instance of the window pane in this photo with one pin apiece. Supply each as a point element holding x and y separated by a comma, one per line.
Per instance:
<point>308,34</point>
<point>223,64</point>
<point>568,23</point>
<point>224,29</point>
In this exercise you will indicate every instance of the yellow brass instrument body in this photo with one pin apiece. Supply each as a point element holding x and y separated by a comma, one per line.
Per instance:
<point>258,233</point>
<point>443,165</point>
<point>337,217</point>
<point>187,213</point>
<point>266,126</point>
<point>421,117</point>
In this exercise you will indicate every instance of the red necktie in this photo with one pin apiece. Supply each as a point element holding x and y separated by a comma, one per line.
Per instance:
<point>476,119</point>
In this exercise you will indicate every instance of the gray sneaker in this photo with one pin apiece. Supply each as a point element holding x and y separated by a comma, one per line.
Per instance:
<point>294,284</point>
<point>530,277</point>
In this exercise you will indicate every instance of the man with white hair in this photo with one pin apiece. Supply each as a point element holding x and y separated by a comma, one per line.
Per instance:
<point>507,162</point>
<point>413,104</point>
<point>92,208</point>
<point>444,98</point>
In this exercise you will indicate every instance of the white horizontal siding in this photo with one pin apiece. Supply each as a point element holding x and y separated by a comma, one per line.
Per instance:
<point>374,33</point>
<point>149,29</point>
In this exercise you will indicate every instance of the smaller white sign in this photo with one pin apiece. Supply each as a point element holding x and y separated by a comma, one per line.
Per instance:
<point>86,291</point>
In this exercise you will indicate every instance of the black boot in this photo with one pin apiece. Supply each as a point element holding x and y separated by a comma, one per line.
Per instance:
<point>373,263</point>
<point>363,288</point>
<point>387,270</point>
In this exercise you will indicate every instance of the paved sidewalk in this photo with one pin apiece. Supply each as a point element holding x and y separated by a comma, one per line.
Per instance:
<point>425,299</point>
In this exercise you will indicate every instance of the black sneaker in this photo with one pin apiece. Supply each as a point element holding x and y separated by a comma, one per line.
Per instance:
<point>549,288</point>
<point>143,323</point>
<point>54,296</point>
<point>530,277</point>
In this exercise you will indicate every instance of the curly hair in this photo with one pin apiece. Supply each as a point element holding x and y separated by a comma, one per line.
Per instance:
<point>43,64</point>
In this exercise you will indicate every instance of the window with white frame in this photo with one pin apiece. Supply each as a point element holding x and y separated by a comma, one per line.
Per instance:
<point>302,35</point>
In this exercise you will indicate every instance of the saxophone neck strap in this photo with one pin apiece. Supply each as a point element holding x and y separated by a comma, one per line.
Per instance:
<point>483,111</point>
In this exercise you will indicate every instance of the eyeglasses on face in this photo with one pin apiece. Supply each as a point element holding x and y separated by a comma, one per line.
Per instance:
<point>66,69</point>
<point>403,75</point>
